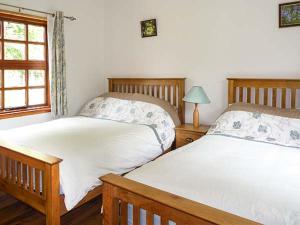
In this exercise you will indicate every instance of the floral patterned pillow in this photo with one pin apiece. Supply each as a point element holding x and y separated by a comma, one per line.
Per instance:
<point>136,112</point>
<point>92,108</point>
<point>256,126</point>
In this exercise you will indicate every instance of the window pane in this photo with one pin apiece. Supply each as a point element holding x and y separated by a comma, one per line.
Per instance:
<point>14,31</point>
<point>14,78</point>
<point>36,52</point>
<point>36,77</point>
<point>36,33</point>
<point>14,51</point>
<point>14,98</point>
<point>36,96</point>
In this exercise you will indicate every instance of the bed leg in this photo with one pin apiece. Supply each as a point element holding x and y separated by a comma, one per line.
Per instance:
<point>110,205</point>
<point>52,195</point>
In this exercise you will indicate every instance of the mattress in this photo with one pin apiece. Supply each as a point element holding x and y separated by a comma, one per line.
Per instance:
<point>258,181</point>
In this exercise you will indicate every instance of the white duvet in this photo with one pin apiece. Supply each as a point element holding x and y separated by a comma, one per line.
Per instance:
<point>89,148</point>
<point>258,181</point>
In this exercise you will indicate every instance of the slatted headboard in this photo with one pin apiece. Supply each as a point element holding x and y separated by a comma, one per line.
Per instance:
<point>168,89</point>
<point>280,93</point>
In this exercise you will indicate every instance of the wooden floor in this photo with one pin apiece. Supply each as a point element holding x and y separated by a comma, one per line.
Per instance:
<point>13,212</point>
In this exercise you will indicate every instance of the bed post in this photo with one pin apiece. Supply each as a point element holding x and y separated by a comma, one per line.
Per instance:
<point>52,194</point>
<point>110,85</point>
<point>231,92</point>
<point>110,205</point>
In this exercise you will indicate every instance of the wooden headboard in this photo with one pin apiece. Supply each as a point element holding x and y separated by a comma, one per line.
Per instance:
<point>168,89</point>
<point>280,93</point>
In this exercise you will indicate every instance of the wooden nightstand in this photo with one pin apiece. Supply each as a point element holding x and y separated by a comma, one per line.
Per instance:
<point>186,133</point>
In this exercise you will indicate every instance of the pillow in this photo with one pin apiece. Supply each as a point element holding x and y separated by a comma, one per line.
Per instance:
<point>92,108</point>
<point>149,99</point>
<point>290,113</point>
<point>259,127</point>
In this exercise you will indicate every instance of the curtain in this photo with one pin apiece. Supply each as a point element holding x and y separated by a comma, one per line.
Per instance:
<point>59,106</point>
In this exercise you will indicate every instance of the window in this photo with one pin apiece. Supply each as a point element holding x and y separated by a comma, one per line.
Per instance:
<point>24,83</point>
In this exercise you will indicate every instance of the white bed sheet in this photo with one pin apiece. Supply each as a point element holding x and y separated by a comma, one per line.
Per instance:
<point>89,148</point>
<point>258,181</point>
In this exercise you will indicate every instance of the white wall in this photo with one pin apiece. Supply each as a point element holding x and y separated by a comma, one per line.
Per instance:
<point>85,52</point>
<point>203,40</point>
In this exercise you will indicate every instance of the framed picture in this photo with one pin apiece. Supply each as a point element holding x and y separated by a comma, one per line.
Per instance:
<point>149,28</point>
<point>289,14</point>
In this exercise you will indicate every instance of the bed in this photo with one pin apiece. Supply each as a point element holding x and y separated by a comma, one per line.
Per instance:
<point>29,173</point>
<point>212,181</point>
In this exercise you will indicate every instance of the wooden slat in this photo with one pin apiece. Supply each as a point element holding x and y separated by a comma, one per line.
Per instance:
<point>136,215</point>
<point>149,90</point>
<point>138,89</point>
<point>30,171</point>
<point>234,93</point>
<point>174,95</point>
<point>163,92</point>
<point>19,174</point>
<point>231,92</point>
<point>169,93</point>
<point>7,169</point>
<point>37,181</point>
<point>266,96</point>
<point>248,95</point>
<point>257,95</point>
<point>13,172</point>
<point>142,89</point>
<point>164,221</point>
<point>3,167</point>
<point>241,94</point>
<point>124,213</point>
<point>293,98</point>
<point>24,176</point>
<point>1,170</point>
<point>274,97</point>
<point>157,91</point>
<point>283,98</point>
<point>149,218</point>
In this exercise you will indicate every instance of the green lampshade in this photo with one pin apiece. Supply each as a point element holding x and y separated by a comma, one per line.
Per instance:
<point>196,95</point>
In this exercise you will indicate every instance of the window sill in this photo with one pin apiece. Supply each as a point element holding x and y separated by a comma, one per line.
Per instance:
<point>24,112</point>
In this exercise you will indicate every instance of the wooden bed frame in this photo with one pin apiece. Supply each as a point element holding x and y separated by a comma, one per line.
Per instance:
<point>22,172</point>
<point>119,191</point>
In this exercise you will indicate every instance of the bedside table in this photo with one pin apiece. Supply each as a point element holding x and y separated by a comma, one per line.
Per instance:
<point>186,133</point>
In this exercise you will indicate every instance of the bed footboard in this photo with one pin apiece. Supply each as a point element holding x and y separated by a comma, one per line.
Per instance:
<point>33,178</point>
<point>118,192</point>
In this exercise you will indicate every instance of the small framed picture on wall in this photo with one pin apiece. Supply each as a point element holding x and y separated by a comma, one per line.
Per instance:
<point>149,28</point>
<point>289,14</point>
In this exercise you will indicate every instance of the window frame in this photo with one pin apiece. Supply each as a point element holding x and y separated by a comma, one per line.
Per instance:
<point>24,65</point>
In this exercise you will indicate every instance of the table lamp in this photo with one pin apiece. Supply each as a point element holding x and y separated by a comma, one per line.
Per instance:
<point>198,96</point>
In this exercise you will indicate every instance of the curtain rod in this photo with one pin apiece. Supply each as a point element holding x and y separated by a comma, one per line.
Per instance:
<point>72,18</point>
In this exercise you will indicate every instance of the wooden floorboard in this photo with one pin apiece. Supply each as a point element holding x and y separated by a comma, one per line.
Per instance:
<point>13,212</point>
